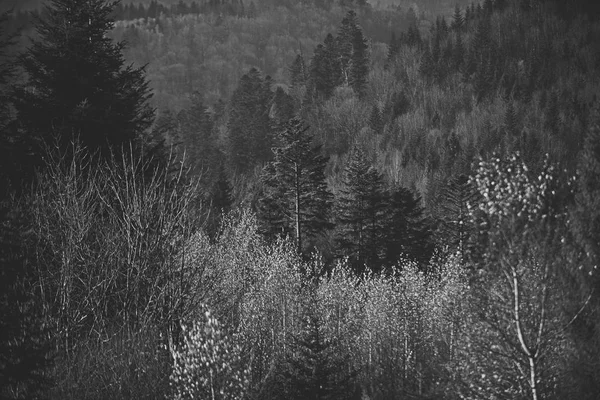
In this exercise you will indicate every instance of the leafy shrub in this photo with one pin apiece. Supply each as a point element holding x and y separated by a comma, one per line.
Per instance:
<point>207,364</point>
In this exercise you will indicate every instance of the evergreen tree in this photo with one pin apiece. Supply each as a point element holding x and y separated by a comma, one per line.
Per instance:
<point>458,54</point>
<point>201,153</point>
<point>353,49</point>
<point>249,126</point>
<point>325,68</point>
<point>361,214</point>
<point>313,367</point>
<point>453,213</point>
<point>408,230</point>
<point>78,82</point>
<point>298,73</point>
<point>282,109</point>
<point>296,199</point>
<point>457,20</point>
<point>360,62</point>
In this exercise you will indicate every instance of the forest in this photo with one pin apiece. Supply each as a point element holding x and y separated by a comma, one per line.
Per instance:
<point>316,199</point>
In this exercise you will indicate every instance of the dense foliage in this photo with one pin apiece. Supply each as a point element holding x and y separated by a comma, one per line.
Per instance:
<point>333,199</point>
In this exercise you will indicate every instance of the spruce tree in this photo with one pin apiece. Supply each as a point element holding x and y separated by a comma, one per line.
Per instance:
<point>353,50</point>
<point>313,367</point>
<point>361,214</point>
<point>296,199</point>
<point>452,209</point>
<point>408,231</point>
<point>298,72</point>
<point>198,142</point>
<point>457,20</point>
<point>249,125</point>
<point>325,68</point>
<point>78,82</point>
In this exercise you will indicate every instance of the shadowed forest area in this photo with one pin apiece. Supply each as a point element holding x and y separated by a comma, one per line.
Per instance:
<point>318,199</point>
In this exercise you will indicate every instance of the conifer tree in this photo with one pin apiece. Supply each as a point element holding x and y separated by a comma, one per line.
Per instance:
<point>361,214</point>
<point>457,20</point>
<point>453,212</point>
<point>313,367</point>
<point>408,230</point>
<point>298,72</point>
<point>325,68</point>
<point>296,199</point>
<point>249,126</point>
<point>196,125</point>
<point>458,54</point>
<point>353,53</point>
<point>79,84</point>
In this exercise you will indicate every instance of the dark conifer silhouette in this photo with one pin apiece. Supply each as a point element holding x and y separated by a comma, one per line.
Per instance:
<point>361,214</point>
<point>296,200</point>
<point>79,84</point>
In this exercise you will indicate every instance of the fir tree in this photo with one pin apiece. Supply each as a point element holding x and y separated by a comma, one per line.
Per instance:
<point>453,212</point>
<point>298,72</point>
<point>325,68</point>
<point>78,82</point>
<point>361,214</point>
<point>196,125</point>
<point>313,367</point>
<point>408,230</point>
<point>249,126</point>
<point>296,199</point>
<point>353,53</point>
<point>457,20</point>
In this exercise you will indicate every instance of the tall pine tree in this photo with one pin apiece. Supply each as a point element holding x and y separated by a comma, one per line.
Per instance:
<point>249,125</point>
<point>361,214</point>
<point>296,199</point>
<point>79,84</point>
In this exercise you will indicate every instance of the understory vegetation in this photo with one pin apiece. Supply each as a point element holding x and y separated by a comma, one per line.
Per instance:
<point>332,200</point>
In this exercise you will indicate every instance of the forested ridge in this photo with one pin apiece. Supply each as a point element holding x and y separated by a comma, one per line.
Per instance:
<point>319,199</point>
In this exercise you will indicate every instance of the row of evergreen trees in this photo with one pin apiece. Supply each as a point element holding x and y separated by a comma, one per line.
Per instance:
<point>374,224</point>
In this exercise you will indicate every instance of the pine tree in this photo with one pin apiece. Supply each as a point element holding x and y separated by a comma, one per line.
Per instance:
<point>313,367</point>
<point>457,20</point>
<point>353,50</point>
<point>458,54</point>
<point>408,231</point>
<point>325,68</point>
<point>249,126</point>
<point>453,212</point>
<point>298,72</point>
<point>296,199</point>
<point>361,214</point>
<point>201,152</point>
<point>78,82</point>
